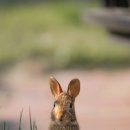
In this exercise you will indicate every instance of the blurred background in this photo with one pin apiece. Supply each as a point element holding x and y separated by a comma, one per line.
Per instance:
<point>85,39</point>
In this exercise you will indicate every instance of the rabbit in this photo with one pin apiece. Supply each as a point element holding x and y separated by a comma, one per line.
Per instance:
<point>63,115</point>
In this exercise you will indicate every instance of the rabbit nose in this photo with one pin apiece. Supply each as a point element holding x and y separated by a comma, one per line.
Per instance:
<point>58,113</point>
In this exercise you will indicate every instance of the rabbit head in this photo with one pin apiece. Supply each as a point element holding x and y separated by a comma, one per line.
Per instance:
<point>63,112</point>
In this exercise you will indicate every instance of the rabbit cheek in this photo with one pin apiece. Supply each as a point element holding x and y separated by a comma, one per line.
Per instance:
<point>58,113</point>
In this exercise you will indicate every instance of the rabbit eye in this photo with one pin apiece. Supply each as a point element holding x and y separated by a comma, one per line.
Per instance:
<point>71,105</point>
<point>55,103</point>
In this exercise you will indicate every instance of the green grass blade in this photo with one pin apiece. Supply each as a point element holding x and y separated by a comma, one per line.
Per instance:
<point>20,120</point>
<point>34,126</point>
<point>4,126</point>
<point>30,119</point>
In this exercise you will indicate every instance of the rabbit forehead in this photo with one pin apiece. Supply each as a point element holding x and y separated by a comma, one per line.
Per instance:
<point>64,98</point>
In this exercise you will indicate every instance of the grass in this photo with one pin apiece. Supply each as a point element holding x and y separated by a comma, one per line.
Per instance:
<point>32,124</point>
<point>20,120</point>
<point>54,32</point>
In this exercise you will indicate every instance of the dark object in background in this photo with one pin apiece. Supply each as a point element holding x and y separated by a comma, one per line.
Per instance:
<point>119,16</point>
<point>114,16</point>
<point>116,3</point>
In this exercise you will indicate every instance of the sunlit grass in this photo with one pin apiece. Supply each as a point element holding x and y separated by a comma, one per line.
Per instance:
<point>55,32</point>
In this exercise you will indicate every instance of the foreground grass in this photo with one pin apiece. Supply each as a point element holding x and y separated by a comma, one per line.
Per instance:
<point>32,124</point>
<point>55,33</point>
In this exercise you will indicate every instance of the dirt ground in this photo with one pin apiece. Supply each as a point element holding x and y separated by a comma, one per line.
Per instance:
<point>103,103</point>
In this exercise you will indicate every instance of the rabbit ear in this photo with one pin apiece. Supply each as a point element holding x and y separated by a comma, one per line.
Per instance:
<point>55,87</point>
<point>74,88</point>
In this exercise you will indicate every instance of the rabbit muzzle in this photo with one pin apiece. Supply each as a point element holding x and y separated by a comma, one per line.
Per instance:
<point>58,112</point>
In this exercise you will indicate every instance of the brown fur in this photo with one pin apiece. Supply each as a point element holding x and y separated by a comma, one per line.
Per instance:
<point>63,113</point>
